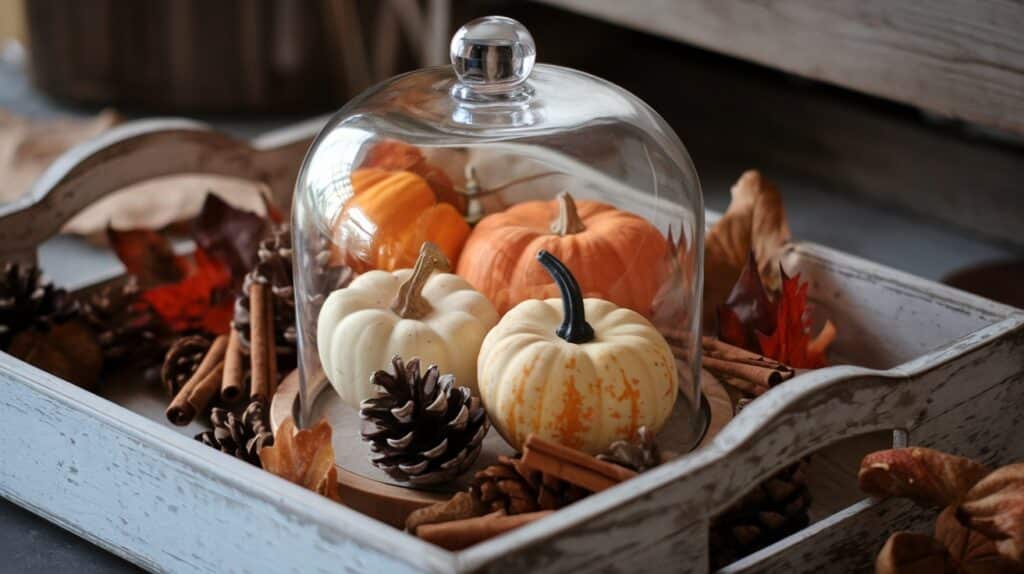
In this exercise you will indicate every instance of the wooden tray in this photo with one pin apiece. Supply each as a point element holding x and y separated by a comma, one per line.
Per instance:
<point>940,367</point>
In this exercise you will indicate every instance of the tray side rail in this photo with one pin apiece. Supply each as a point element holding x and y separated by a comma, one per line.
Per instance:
<point>139,151</point>
<point>671,506</point>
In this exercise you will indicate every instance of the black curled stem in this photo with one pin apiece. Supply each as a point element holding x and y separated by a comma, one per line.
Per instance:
<point>574,327</point>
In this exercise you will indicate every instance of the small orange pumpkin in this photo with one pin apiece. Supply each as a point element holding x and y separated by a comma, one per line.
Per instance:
<point>616,255</point>
<point>390,215</point>
<point>393,155</point>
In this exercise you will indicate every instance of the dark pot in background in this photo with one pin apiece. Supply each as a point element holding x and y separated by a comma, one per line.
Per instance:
<point>195,55</point>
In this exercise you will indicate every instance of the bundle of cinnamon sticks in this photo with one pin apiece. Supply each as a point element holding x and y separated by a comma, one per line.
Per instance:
<point>457,524</point>
<point>222,370</point>
<point>747,371</point>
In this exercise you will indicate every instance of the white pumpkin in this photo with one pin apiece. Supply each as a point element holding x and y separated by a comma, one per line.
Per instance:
<point>581,372</point>
<point>437,317</point>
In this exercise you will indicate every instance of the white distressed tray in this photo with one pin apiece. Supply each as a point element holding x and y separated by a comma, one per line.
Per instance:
<point>941,367</point>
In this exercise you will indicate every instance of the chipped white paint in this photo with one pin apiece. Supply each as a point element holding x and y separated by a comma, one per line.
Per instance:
<point>946,366</point>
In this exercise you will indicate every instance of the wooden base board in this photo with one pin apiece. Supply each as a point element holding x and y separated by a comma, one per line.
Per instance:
<point>390,502</point>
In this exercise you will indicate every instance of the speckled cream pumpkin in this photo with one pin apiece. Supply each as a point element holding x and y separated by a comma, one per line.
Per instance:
<point>435,316</point>
<point>582,372</point>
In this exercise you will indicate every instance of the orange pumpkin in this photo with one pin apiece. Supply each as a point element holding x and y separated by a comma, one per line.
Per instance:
<point>393,155</point>
<point>616,255</point>
<point>389,217</point>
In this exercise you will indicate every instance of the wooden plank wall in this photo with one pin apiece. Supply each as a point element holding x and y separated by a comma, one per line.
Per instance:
<point>961,59</point>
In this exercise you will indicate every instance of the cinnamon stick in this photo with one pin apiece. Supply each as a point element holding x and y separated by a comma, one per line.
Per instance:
<point>745,370</point>
<point>196,393</point>
<point>459,534</point>
<point>571,465</point>
<point>722,350</point>
<point>260,342</point>
<point>195,396</point>
<point>233,382</point>
<point>271,346</point>
<point>213,356</point>
<point>762,376</point>
<point>748,387</point>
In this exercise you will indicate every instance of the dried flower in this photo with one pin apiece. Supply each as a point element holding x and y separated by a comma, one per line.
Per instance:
<point>926,476</point>
<point>995,507</point>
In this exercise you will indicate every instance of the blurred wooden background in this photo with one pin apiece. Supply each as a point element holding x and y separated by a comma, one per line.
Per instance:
<point>12,21</point>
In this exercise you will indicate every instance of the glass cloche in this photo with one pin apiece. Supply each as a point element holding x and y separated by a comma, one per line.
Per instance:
<point>534,231</point>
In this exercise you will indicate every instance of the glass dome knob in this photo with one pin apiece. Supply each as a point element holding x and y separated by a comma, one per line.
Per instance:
<point>493,54</point>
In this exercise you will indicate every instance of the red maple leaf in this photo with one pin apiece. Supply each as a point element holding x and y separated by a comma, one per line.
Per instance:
<point>147,255</point>
<point>779,326</point>
<point>791,342</point>
<point>199,301</point>
<point>192,292</point>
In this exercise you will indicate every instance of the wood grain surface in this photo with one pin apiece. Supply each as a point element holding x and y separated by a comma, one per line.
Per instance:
<point>960,59</point>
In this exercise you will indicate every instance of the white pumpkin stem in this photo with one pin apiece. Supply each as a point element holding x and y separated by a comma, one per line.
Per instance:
<point>568,222</point>
<point>410,302</point>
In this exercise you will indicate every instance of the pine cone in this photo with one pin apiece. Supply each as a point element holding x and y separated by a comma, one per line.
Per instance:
<point>639,454</point>
<point>422,429</point>
<point>511,487</point>
<point>125,326</point>
<point>240,436</point>
<point>182,360</point>
<point>273,268</point>
<point>329,277</point>
<point>772,511</point>
<point>27,301</point>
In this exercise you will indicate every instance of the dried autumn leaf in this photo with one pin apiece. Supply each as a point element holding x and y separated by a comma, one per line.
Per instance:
<point>755,222</point>
<point>199,301</point>
<point>913,553</point>
<point>230,235</point>
<point>748,310</point>
<point>305,457</point>
<point>790,342</point>
<point>995,507</point>
<point>148,255</point>
<point>777,327</point>
<point>68,350</point>
<point>972,551</point>
<point>926,476</point>
<point>460,506</point>
<point>28,146</point>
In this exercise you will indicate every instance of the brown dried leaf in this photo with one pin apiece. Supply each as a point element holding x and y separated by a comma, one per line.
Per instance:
<point>461,506</point>
<point>995,507</point>
<point>29,146</point>
<point>926,476</point>
<point>747,311</point>
<point>165,202</point>
<point>229,234</point>
<point>148,255</point>
<point>69,351</point>
<point>973,552</point>
<point>305,457</point>
<point>755,222</point>
<point>913,553</point>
